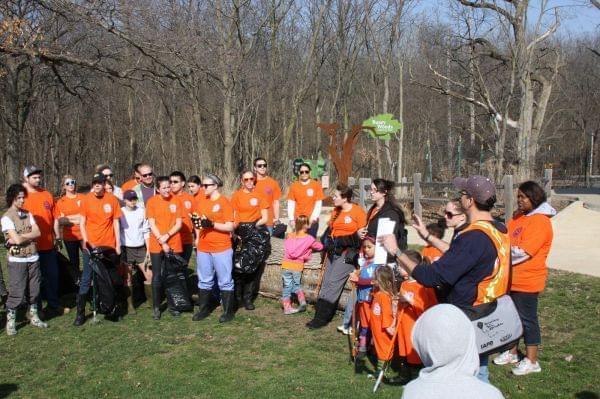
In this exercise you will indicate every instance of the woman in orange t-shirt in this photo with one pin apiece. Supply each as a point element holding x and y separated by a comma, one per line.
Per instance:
<point>305,197</point>
<point>164,216</point>
<point>530,232</point>
<point>341,243</point>
<point>213,220</point>
<point>250,211</point>
<point>67,217</point>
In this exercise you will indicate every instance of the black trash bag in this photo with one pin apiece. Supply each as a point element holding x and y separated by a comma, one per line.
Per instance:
<point>279,230</point>
<point>104,261</point>
<point>174,280</point>
<point>68,276</point>
<point>253,247</point>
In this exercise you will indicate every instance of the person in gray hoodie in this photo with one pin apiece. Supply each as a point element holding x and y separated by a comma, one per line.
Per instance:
<point>444,338</point>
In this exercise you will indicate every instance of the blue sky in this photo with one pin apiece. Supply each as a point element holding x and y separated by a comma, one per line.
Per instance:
<point>577,16</point>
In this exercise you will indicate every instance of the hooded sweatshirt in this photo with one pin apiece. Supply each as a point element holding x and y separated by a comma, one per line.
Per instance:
<point>298,250</point>
<point>444,338</point>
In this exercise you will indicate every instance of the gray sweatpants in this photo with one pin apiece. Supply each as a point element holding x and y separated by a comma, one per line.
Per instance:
<point>334,279</point>
<point>23,278</point>
<point>3,290</point>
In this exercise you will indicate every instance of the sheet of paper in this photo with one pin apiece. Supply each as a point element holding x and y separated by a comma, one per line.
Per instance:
<point>384,226</point>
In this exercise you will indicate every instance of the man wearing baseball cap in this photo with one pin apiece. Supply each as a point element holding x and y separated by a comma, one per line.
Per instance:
<point>476,267</point>
<point>40,203</point>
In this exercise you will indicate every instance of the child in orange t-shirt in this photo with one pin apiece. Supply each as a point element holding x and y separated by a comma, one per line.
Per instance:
<point>382,318</point>
<point>429,251</point>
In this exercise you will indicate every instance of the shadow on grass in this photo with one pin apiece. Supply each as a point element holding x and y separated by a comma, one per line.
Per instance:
<point>7,389</point>
<point>586,395</point>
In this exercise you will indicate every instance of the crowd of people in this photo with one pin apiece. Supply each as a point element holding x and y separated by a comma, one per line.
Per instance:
<point>393,303</point>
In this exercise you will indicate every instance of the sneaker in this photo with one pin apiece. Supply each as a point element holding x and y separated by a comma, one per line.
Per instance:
<point>344,330</point>
<point>506,358</point>
<point>525,367</point>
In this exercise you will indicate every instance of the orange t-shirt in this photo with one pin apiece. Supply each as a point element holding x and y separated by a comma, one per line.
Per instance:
<point>100,214</point>
<point>381,317</point>
<point>40,204</point>
<point>66,206</point>
<point>533,234</point>
<point>305,196</point>
<point>186,201</point>
<point>272,192</point>
<point>420,298</point>
<point>218,211</point>
<point>432,253</point>
<point>247,206</point>
<point>349,222</point>
<point>129,185</point>
<point>165,213</point>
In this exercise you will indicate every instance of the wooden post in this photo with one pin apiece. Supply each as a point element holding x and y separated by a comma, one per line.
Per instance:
<point>418,210</point>
<point>548,183</point>
<point>363,182</point>
<point>508,197</point>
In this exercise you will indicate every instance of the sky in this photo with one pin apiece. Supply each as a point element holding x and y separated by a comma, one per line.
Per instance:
<point>577,16</point>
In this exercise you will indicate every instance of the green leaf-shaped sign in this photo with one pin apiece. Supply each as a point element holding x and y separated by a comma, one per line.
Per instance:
<point>385,126</point>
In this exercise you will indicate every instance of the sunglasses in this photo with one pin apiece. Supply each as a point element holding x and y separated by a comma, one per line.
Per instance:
<point>174,181</point>
<point>207,185</point>
<point>108,174</point>
<point>70,182</point>
<point>248,179</point>
<point>261,165</point>
<point>305,172</point>
<point>148,174</point>
<point>450,215</point>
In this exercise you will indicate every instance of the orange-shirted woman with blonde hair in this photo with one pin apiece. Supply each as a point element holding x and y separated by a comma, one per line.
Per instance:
<point>67,217</point>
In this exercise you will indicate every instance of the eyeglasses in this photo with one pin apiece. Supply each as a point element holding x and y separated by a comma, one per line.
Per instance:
<point>207,185</point>
<point>450,215</point>
<point>304,172</point>
<point>107,174</point>
<point>70,182</point>
<point>248,179</point>
<point>148,174</point>
<point>174,181</point>
<point>261,165</point>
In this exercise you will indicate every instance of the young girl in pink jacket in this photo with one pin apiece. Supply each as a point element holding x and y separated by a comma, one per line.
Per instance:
<point>298,248</point>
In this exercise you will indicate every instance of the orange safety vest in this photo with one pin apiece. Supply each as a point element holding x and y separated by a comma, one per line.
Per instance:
<point>496,284</point>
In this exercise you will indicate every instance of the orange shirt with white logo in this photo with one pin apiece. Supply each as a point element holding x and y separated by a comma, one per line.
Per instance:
<point>247,206</point>
<point>432,253</point>
<point>381,317</point>
<point>348,222</point>
<point>272,192</point>
<point>186,201</point>
<point>533,234</point>
<point>100,214</point>
<point>165,213</point>
<point>40,204</point>
<point>129,185</point>
<point>305,196</point>
<point>66,206</point>
<point>218,211</point>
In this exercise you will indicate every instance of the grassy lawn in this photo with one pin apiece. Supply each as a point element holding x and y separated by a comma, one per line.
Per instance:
<point>265,354</point>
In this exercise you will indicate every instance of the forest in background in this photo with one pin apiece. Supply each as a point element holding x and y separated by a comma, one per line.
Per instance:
<point>484,87</point>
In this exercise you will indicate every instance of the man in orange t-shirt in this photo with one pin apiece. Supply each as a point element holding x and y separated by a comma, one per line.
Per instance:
<point>305,197</point>
<point>40,203</point>
<point>177,182</point>
<point>164,215</point>
<point>99,226</point>
<point>270,190</point>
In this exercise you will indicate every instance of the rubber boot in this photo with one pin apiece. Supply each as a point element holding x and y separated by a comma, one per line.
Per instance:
<point>34,319</point>
<point>80,317</point>
<point>156,301</point>
<point>129,295</point>
<point>301,301</point>
<point>228,302</point>
<point>239,290</point>
<point>323,313</point>
<point>287,306</point>
<point>248,295</point>
<point>148,293</point>
<point>11,322</point>
<point>204,298</point>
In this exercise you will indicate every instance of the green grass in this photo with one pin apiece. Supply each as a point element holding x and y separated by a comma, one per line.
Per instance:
<point>263,354</point>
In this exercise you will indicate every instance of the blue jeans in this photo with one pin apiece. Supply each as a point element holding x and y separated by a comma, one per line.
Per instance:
<point>210,263</point>
<point>270,228</point>
<point>86,274</point>
<point>526,304</point>
<point>49,269</point>
<point>291,282</point>
<point>484,373</point>
<point>348,311</point>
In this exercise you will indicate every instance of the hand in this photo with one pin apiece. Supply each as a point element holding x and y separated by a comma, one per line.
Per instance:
<point>195,220</point>
<point>58,243</point>
<point>389,243</point>
<point>166,248</point>
<point>419,226</point>
<point>362,233</point>
<point>163,239</point>
<point>118,250</point>
<point>206,223</point>
<point>354,276</point>
<point>391,330</point>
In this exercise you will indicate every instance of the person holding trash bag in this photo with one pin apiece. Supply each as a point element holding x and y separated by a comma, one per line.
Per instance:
<point>250,216</point>
<point>341,243</point>
<point>99,226</point>
<point>213,219</point>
